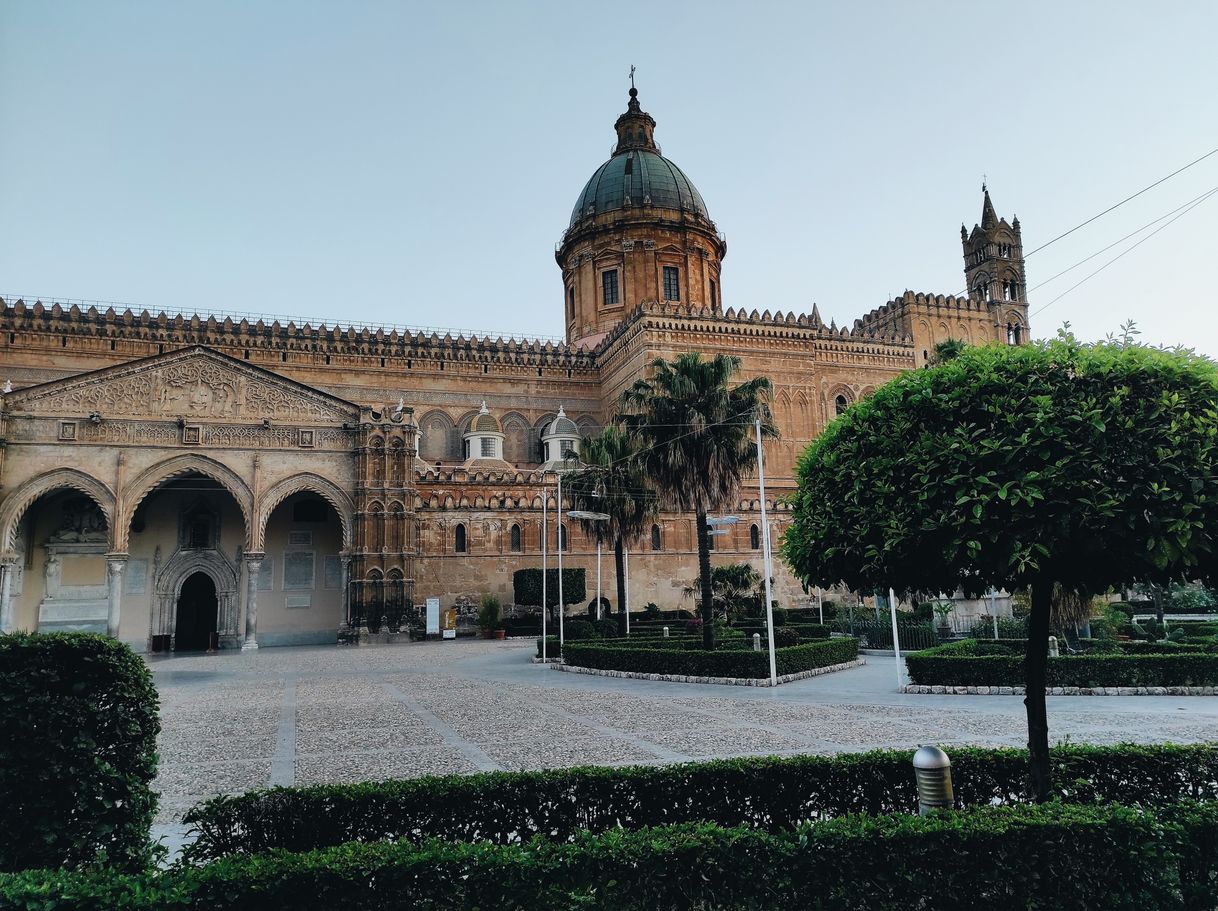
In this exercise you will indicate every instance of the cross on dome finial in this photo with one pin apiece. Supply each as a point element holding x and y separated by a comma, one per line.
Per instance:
<point>632,88</point>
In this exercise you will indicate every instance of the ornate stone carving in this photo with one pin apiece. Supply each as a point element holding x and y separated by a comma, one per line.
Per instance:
<point>192,383</point>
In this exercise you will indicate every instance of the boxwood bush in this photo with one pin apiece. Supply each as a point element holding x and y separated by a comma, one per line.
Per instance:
<point>973,663</point>
<point>694,662</point>
<point>1047,856</point>
<point>78,728</point>
<point>771,793</point>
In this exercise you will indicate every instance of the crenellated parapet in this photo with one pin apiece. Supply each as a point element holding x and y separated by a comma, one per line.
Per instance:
<point>891,313</point>
<point>279,336</point>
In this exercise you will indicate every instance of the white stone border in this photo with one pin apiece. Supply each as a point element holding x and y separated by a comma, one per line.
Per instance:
<point>722,681</point>
<point>924,690</point>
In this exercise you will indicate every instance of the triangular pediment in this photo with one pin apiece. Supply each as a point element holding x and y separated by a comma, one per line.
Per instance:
<point>195,383</point>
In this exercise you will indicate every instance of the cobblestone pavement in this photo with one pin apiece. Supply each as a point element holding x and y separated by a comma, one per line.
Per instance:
<point>237,721</point>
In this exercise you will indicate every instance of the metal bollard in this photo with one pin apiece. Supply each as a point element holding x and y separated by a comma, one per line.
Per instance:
<point>1053,652</point>
<point>933,772</point>
<point>666,632</point>
<point>756,642</point>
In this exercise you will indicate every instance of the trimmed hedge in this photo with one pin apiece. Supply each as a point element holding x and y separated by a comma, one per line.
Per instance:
<point>526,586</point>
<point>771,793</point>
<point>78,728</point>
<point>694,662</point>
<point>1049,856</point>
<point>965,663</point>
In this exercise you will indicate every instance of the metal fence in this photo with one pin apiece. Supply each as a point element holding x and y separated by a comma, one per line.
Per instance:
<point>878,634</point>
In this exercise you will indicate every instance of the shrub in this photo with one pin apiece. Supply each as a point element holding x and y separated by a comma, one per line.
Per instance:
<point>608,628</point>
<point>78,714</point>
<point>963,664</point>
<point>782,792</point>
<point>488,613</point>
<point>528,625</point>
<point>737,662</point>
<point>526,586</point>
<point>784,637</point>
<point>575,630</point>
<point>1051,856</point>
<point>651,611</point>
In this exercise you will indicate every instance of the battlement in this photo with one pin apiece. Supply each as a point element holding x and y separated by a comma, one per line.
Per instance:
<point>807,326</point>
<point>180,330</point>
<point>886,315</point>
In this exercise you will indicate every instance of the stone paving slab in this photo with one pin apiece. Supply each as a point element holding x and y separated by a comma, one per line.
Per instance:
<point>241,720</point>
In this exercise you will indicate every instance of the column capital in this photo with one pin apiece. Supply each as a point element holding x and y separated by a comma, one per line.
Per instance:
<point>253,557</point>
<point>9,558</point>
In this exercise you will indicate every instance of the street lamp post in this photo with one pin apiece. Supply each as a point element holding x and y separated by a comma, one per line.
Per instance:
<point>765,540</point>
<point>545,540</point>
<point>593,517</point>
<point>562,607</point>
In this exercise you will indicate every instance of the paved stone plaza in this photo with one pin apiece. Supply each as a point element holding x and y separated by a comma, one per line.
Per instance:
<point>241,720</point>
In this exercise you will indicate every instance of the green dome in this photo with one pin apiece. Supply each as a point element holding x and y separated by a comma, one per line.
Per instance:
<point>642,176</point>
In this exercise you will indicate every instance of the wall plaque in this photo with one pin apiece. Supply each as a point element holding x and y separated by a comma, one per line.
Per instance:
<point>298,601</point>
<point>266,574</point>
<point>135,577</point>
<point>300,538</point>
<point>333,573</point>
<point>298,570</point>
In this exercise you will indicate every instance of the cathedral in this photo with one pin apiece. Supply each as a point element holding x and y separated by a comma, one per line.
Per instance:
<point>177,481</point>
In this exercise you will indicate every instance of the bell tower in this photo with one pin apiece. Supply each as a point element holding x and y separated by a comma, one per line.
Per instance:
<point>994,270</point>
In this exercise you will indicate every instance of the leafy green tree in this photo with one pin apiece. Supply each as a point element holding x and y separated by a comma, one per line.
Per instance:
<point>696,431</point>
<point>611,480</point>
<point>1082,465</point>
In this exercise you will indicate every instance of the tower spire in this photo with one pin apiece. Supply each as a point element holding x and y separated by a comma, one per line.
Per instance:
<point>989,218</point>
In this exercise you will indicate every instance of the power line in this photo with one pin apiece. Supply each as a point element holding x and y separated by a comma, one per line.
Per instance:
<point>1125,252</point>
<point>1123,239</point>
<point>1122,202</point>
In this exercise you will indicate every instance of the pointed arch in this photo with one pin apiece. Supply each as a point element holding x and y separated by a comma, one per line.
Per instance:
<point>152,477</point>
<point>16,503</point>
<point>302,483</point>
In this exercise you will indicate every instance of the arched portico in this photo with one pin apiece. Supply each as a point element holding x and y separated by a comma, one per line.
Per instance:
<point>154,476</point>
<point>21,499</point>
<point>303,483</point>
<point>173,575</point>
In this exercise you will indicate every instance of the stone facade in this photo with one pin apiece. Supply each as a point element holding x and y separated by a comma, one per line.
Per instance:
<point>164,476</point>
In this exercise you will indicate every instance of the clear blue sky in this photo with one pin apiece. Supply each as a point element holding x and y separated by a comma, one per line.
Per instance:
<point>415,163</point>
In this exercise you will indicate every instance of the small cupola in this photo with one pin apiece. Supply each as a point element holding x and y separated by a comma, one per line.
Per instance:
<point>636,128</point>
<point>559,440</point>
<point>484,439</point>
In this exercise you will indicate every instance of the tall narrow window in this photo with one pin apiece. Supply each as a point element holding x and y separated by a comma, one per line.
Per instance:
<point>609,287</point>
<point>570,303</point>
<point>655,537</point>
<point>672,283</point>
<point>754,537</point>
<point>488,447</point>
<point>459,542</point>
<point>515,539</point>
<point>840,404</point>
<point>714,295</point>
<point>562,538</point>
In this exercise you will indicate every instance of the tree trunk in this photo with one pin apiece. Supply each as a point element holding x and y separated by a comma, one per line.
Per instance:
<point>1036,663</point>
<point>704,576</point>
<point>619,561</point>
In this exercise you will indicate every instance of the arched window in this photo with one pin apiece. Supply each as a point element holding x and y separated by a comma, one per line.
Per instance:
<point>656,544</point>
<point>459,539</point>
<point>562,538</point>
<point>840,404</point>
<point>515,539</point>
<point>754,536</point>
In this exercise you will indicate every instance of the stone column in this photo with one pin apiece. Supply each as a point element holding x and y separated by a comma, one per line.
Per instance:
<point>253,563</point>
<point>346,564</point>
<point>115,564</point>
<point>7,565</point>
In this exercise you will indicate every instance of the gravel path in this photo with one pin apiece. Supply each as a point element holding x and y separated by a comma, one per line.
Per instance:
<point>242,720</point>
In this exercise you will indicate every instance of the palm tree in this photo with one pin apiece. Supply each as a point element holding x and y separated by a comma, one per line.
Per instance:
<point>697,442</point>
<point>608,478</point>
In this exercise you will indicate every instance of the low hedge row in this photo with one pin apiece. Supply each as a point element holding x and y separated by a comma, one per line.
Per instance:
<point>78,728</point>
<point>1047,856</point>
<point>962,664</point>
<point>771,793</point>
<point>694,662</point>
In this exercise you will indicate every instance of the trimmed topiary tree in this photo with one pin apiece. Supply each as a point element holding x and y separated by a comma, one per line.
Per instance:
<point>78,714</point>
<point>1083,465</point>
<point>526,586</point>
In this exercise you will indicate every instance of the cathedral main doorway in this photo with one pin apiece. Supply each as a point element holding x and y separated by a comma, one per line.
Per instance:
<point>196,616</point>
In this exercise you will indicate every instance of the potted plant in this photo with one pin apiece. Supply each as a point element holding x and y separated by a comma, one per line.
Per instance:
<point>943,610</point>
<point>488,618</point>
